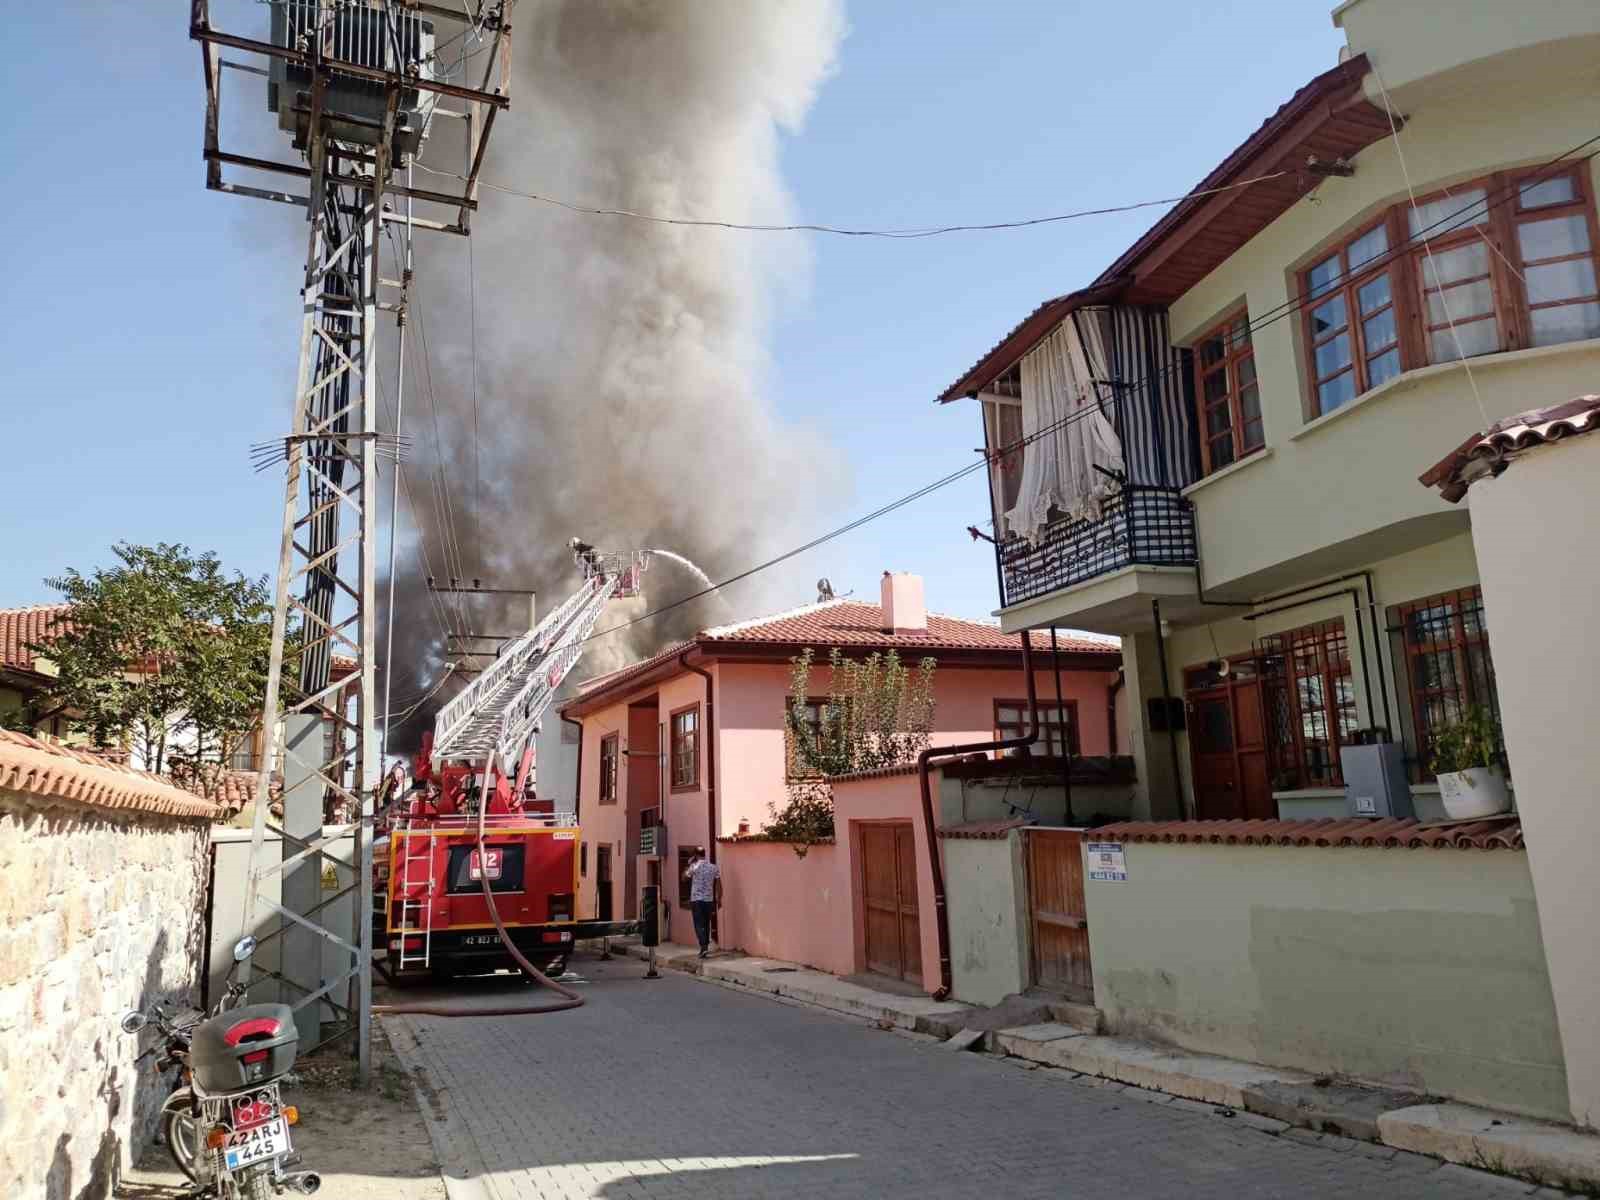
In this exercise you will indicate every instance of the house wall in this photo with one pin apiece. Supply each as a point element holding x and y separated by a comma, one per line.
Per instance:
<point>103,911</point>
<point>887,798</point>
<point>1441,566</point>
<point>1293,512</point>
<point>601,824</point>
<point>780,905</point>
<point>1416,969</point>
<point>1533,528</point>
<point>753,697</point>
<point>987,887</point>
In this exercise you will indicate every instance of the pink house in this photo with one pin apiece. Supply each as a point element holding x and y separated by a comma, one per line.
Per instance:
<point>692,743</point>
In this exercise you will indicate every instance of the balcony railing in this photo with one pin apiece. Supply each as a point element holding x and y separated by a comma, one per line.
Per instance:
<point>1142,526</point>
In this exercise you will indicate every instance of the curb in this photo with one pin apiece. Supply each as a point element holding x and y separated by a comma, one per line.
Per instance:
<point>1293,1104</point>
<point>453,1171</point>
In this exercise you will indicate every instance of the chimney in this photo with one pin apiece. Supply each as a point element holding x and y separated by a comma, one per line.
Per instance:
<point>904,610</point>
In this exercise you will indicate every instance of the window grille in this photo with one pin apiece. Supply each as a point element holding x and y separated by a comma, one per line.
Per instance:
<point>1444,644</point>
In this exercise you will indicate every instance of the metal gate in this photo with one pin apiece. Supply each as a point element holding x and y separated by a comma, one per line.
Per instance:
<point>893,934</point>
<point>1057,916</point>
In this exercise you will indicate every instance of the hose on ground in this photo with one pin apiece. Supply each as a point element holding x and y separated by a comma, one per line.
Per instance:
<point>572,999</point>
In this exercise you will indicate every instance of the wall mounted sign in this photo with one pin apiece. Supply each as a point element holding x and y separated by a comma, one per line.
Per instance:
<point>1106,862</point>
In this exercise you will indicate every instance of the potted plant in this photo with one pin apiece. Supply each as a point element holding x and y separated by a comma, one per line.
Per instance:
<point>1471,783</point>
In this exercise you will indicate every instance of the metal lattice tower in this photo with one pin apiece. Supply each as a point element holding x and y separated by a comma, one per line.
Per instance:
<point>357,84</point>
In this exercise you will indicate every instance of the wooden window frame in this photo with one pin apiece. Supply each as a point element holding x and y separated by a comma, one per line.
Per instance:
<point>1404,259</point>
<point>1234,353</point>
<point>691,784</point>
<point>1329,642</point>
<point>1047,709</point>
<point>1348,286</point>
<point>1458,646</point>
<point>609,757</point>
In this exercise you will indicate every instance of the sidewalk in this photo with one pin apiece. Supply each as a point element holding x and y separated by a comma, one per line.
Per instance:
<point>1339,1115</point>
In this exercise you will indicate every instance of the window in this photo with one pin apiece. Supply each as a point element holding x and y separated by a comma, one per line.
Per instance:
<point>1445,647</point>
<point>1510,261</point>
<point>1310,697</point>
<point>1230,400</point>
<point>813,713</point>
<point>1011,721</point>
<point>243,756</point>
<point>1002,429</point>
<point>608,769</point>
<point>1352,326</point>
<point>686,748</point>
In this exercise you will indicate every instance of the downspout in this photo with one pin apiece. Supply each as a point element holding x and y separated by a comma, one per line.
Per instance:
<point>711,757</point>
<point>577,783</point>
<point>941,913</point>
<point>1112,688</point>
<point>1166,699</point>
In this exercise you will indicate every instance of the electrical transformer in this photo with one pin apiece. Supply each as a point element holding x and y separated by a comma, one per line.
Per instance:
<point>384,37</point>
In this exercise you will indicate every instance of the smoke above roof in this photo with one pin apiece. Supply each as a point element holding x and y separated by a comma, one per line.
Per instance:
<point>621,365</point>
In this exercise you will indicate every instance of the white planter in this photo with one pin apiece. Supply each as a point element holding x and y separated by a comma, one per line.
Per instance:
<point>1474,793</point>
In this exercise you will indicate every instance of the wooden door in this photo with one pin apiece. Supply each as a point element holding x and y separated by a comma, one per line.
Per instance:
<point>1058,917</point>
<point>1228,752</point>
<point>893,933</point>
<point>602,882</point>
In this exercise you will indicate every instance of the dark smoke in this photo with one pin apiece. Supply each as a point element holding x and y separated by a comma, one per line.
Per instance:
<point>621,364</point>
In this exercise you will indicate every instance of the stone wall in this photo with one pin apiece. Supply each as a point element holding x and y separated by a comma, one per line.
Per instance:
<point>102,910</point>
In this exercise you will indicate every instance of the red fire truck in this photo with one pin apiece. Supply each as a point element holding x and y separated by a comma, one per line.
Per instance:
<point>468,820</point>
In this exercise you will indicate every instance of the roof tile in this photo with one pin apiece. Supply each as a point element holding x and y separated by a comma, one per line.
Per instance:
<point>20,626</point>
<point>44,769</point>
<point>1495,833</point>
<point>1488,453</point>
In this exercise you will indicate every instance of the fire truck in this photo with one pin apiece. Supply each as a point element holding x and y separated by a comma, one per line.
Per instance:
<point>472,820</point>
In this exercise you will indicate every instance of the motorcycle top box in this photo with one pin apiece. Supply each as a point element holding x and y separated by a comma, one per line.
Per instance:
<point>243,1047</point>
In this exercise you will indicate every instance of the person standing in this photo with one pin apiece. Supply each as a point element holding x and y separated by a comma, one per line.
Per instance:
<point>705,897</point>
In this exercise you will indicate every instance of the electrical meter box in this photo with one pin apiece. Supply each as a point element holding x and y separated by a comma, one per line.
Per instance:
<point>1375,782</point>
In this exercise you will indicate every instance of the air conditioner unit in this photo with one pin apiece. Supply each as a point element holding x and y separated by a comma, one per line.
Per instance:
<point>1375,781</point>
<point>384,37</point>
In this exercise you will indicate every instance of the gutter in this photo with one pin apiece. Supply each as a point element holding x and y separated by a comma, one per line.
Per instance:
<point>941,914</point>
<point>711,756</point>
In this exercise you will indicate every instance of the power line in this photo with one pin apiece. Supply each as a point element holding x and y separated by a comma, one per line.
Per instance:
<point>923,232</point>
<point>477,440</point>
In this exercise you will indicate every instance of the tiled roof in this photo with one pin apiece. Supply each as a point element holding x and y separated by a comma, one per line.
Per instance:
<point>1489,453</point>
<point>42,769</point>
<point>20,626</point>
<point>633,670</point>
<point>1499,833</point>
<point>982,830</point>
<point>235,790</point>
<point>877,773</point>
<point>855,623</point>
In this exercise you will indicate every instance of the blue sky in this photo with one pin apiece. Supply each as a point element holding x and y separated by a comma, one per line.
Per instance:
<point>148,341</point>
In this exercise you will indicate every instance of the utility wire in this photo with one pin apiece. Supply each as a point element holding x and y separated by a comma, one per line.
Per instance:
<point>923,232</point>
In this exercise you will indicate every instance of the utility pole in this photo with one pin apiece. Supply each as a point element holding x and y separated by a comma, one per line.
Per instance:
<point>357,85</point>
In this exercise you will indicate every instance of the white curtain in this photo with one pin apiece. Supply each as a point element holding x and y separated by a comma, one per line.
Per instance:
<point>1067,434</point>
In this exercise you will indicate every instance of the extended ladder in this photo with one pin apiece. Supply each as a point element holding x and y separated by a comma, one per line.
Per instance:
<point>495,716</point>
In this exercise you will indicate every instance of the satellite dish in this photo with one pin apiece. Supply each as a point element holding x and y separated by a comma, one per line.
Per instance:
<point>824,590</point>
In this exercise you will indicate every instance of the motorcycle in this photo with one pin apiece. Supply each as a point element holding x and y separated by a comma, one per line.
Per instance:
<point>225,1124</point>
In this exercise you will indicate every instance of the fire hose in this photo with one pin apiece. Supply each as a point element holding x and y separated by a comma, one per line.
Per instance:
<point>573,999</point>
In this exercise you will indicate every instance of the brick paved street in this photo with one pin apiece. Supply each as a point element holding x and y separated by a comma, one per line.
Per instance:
<point>682,1088</point>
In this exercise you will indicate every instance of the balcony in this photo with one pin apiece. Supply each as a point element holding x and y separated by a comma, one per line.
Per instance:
<point>1141,526</point>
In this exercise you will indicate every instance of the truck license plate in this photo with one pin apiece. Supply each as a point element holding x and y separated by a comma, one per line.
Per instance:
<point>246,1146</point>
<point>481,939</point>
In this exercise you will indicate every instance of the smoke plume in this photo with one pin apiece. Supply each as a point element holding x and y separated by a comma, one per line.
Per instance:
<point>620,364</point>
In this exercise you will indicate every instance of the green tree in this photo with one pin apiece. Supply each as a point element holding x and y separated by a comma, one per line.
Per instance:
<point>878,714</point>
<point>166,654</point>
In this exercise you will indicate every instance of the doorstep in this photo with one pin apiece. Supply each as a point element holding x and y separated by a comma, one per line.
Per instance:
<point>919,1013</point>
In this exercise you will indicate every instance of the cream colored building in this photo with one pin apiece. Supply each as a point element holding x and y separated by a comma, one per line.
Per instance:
<point>1213,450</point>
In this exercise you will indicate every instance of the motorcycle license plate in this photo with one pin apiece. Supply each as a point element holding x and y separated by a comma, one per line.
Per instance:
<point>246,1146</point>
<point>257,1129</point>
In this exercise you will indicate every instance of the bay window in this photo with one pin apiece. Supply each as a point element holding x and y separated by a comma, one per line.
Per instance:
<point>1509,263</point>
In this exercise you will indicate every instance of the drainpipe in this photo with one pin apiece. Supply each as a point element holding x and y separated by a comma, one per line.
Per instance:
<point>711,757</point>
<point>577,783</point>
<point>941,914</point>
<point>1112,689</point>
<point>1166,699</point>
<point>1061,724</point>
